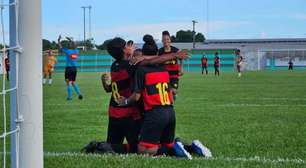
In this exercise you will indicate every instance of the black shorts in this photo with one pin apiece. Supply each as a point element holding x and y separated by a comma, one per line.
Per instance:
<point>70,73</point>
<point>158,127</point>
<point>238,68</point>
<point>174,83</point>
<point>216,67</point>
<point>120,128</point>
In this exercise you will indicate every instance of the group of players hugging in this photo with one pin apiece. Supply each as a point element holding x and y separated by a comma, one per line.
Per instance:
<point>143,84</point>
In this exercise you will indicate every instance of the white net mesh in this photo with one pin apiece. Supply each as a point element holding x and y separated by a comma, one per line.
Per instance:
<point>4,6</point>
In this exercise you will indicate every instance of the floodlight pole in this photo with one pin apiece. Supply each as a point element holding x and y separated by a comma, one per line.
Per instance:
<point>89,7</point>
<point>193,33</point>
<point>29,95</point>
<point>207,18</point>
<point>84,25</point>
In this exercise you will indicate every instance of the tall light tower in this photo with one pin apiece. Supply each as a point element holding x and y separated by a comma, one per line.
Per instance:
<point>194,33</point>
<point>90,35</point>
<point>84,22</point>
<point>207,18</point>
<point>84,25</point>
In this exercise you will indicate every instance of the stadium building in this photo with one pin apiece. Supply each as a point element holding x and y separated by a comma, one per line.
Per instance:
<point>259,54</point>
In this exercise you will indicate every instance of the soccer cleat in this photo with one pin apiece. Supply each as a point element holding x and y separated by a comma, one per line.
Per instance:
<point>180,151</point>
<point>69,98</point>
<point>200,149</point>
<point>44,81</point>
<point>104,147</point>
<point>90,148</point>
<point>80,97</point>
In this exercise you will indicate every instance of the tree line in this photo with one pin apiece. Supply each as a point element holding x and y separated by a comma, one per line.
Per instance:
<point>182,36</point>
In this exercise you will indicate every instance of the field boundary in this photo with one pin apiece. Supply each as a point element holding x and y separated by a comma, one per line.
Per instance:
<point>230,159</point>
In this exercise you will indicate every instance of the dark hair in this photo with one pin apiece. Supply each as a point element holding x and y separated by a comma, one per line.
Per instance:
<point>216,53</point>
<point>130,42</point>
<point>115,48</point>
<point>138,50</point>
<point>149,47</point>
<point>166,33</point>
<point>237,50</point>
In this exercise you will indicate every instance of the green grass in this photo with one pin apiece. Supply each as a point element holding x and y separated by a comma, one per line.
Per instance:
<point>260,115</point>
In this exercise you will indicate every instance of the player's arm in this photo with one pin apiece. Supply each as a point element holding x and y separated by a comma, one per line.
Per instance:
<point>164,58</point>
<point>181,67</point>
<point>71,41</point>
<point>106,86</point>
<point>138,87</point>
<point>122,101</point>
<point>59,43</point>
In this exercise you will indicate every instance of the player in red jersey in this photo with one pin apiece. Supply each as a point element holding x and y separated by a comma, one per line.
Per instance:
<point>204,63</point>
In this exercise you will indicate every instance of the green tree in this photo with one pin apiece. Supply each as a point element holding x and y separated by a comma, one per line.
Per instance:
<point>186,36</point>
<point>46,44</point>
<point>199,37</point>
<point>173,38</point>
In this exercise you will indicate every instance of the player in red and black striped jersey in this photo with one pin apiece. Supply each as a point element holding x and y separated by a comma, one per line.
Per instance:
<point>204,64</point>
<point>152,85</point>
<point>173,67</point>
<point>217,64</point>
<point>124,120</point>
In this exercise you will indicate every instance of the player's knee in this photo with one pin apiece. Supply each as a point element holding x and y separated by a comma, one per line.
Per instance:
<point>68,82</point>
<point>145,150</point>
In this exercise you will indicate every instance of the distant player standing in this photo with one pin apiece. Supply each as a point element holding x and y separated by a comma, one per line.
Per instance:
<point>239,60</point>
<point>71,67</point>
<point>290,65</point>
<point>204,64</point>
<point>175,70</point>
<point>217,64</point>
<point>7,66</point>
<point>50,61</point>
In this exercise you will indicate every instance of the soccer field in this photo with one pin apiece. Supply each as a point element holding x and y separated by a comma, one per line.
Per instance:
<point>258,120</point>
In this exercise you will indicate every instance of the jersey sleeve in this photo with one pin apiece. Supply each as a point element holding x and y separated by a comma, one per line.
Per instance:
<point>131,70</point>
<point>139,80</point>
<point>64,50</point>
<point>174,50</point>
<point>161,51</point>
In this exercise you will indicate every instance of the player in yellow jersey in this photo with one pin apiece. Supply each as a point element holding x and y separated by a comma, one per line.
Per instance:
<point>50,62</point>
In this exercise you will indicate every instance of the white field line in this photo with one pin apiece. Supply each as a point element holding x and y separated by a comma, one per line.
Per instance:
<point>238,159</point>
<point>203,98</point>
<point>222,158</point>
<point>245,98</point>
<point>261,105</point>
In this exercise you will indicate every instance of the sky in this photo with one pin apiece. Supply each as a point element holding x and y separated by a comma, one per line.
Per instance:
<point>220,19</point>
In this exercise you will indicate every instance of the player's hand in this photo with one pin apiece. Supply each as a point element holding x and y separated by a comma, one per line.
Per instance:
<point>59,38</point>
<point>136,60</point>
<point>181,73</point>
<point>130,49</point>
<point>121,101</point>
<point>182,55</point>
<point>174,91</point>
<point>68,38</point>
<point>105,77</point>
